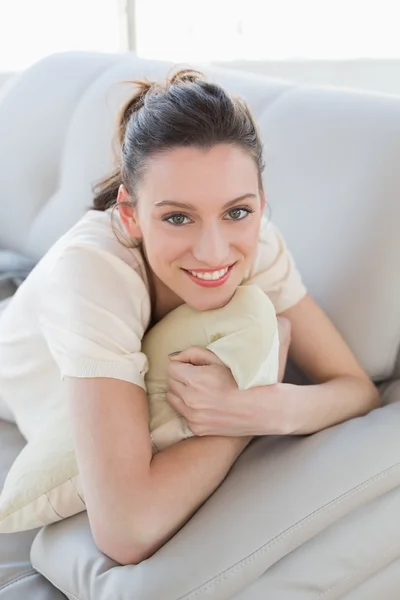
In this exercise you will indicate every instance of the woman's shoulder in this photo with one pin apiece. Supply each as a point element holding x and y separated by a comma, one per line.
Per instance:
<point>102,231</point>
<point>92,269</point>
<point>100,235</point>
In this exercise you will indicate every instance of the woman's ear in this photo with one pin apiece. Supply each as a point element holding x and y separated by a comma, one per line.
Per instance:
<point>127,213</point>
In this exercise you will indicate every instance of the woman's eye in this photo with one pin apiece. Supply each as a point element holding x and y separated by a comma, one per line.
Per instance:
<point>237,214</point>
<point>177,219</point>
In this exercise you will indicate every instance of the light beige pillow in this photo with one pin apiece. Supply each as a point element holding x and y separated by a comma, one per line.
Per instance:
<point>243,335</point>
<point>43,484</point>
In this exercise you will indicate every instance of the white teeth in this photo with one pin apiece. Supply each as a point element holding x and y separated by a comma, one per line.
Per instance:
<point>212,275</point>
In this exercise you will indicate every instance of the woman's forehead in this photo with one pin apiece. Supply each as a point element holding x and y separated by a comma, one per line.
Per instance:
<point>189,174</point>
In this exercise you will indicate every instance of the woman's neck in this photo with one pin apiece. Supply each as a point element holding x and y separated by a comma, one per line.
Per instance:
<point>164,300</point>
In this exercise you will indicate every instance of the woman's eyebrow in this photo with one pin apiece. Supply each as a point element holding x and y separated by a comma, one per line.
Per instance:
<point>191,207</point>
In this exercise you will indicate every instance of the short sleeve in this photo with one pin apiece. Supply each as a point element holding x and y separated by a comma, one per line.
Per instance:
<point>274,270</point>
<point>94,314</point>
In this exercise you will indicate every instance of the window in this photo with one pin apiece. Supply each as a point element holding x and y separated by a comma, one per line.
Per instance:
<point>32,29</point>
<point>219,30</point>
<point>201,30</point>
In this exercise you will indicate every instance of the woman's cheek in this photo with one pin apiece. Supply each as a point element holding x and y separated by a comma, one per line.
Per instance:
<point>165,246</point>
<point>249,236</point>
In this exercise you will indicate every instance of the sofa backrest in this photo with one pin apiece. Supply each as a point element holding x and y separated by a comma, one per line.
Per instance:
<point>331,179</point>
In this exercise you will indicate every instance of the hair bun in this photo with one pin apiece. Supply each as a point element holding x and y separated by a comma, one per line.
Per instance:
<point>143,87</point>
<point>186,76</point>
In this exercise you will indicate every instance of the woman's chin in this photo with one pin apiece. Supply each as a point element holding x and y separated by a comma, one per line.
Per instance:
<point>206,301</point>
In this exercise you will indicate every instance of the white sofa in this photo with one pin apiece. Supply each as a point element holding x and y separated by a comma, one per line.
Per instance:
<point>301,518</point>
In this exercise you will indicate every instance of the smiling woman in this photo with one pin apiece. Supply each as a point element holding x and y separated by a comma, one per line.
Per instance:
<point>208,234</point>
<point>188,193</point>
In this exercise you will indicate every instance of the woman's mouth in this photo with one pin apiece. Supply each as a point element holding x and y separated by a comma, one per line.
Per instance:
<point>210,278</point>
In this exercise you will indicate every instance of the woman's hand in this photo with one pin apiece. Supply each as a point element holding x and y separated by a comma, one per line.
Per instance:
<point>203,390</point>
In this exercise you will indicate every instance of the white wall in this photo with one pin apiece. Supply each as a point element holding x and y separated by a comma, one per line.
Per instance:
<point>366,74</point>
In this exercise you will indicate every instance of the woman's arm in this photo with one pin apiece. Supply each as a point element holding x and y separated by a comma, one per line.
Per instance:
<point>343,388</point>
<point>314,407</point>
<point>136,502</point>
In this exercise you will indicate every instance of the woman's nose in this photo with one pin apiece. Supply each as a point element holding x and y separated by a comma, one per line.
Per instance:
<point>211,248</point>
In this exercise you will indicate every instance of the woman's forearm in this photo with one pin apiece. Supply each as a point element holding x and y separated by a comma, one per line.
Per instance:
<point>307,409</point>
<point>315,407</point>
<point>181,478</point>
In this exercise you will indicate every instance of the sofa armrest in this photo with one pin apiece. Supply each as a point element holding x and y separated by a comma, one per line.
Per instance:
<point>279,494</point>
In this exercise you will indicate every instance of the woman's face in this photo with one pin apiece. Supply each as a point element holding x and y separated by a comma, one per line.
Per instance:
<point>198,214</point>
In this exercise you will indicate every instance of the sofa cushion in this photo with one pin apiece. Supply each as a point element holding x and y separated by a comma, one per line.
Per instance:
<point>338,559</point>
<point>54,87</point>
<point>280,494</point>
<point>18,579</point>
<point>333,192</point>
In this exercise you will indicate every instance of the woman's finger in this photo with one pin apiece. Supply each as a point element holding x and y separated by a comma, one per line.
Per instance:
<point>177,403</point>
<point>180,372</point>
<point>176,387</point>
<point>196,355</point>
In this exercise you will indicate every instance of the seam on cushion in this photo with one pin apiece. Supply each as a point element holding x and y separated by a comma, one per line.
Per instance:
<point>17,579</point>
<point>153,444</point>
<point>76,489</point>
<point>51,504</point>
<point>58,587</point>
<point>33,504</point>
<point>238,566</point>
<point>368,571</point>
<point>33,500</point>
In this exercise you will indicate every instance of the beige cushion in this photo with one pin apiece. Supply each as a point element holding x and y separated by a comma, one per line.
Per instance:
<point>243,335</point>
<point>43,484</point>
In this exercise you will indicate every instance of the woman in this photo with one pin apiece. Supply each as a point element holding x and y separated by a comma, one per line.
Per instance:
<point>188,194</point>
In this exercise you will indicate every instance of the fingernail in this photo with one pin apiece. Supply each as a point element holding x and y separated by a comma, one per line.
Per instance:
<point>174,353</point>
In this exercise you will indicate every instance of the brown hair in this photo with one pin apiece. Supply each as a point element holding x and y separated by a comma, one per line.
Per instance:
<point>187,110</point>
